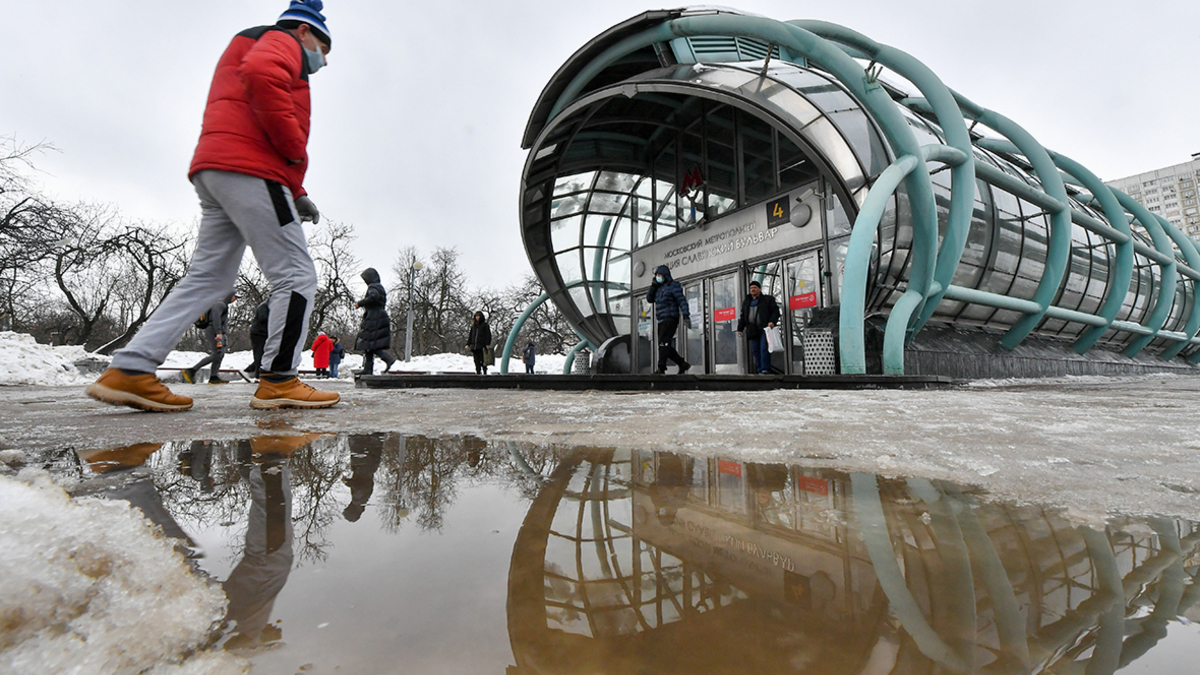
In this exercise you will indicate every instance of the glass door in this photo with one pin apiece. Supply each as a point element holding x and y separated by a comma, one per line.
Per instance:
<point>770,279</point>
<point>803,299</point>
<point>693,338</point>
<point>643,348</point>
<point>725,299</point>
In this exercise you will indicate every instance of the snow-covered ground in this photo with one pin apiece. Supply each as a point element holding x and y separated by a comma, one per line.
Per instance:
<point>25,362</point>
<point>90,586</point>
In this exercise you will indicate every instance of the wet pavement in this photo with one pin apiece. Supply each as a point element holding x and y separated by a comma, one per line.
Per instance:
<point>389,552</point>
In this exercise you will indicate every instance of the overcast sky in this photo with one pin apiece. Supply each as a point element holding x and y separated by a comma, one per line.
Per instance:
<point>417,120</point>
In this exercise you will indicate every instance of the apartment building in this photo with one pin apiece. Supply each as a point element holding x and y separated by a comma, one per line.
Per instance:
<point>1169,192</point>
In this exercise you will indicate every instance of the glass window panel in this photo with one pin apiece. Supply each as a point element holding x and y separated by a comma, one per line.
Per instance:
<point>795,168</point>
<point>837,251</point>
<point>798,107</point>
<point>573,183</point>
<point>644,208</point>
<point>594,260</point>
<point>645,187</point>
<point>564,233</point>
<point>691,179</point>
<point>619,271</point>
<point>825,137</point>
<point>645,233</point>
<point>604,202</point>
<point>620,238</point>
<point>839,220</point>
<point>613,181</point>
<point>979,240</point>
<point>580,297</point>
<point>828,96</point>
<point>619,306</point>
<point>758,158</point>
<point>598,229</point>
<point>721,176</point>
<point>568,266</point>
<point>564,206</point>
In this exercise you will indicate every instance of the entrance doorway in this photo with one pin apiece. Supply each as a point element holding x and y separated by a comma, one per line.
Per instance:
<point>726,295</point>
<point>803,298</point>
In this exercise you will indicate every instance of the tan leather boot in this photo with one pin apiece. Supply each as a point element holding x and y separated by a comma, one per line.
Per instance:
<point>145,392</point>
<point>291,394</point>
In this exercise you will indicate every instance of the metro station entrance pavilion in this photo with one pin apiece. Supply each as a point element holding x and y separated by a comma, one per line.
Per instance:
<point>901,227</point>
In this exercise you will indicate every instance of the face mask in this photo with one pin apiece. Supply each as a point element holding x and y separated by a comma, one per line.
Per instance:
<point>658,278</point>
<point>316,60</point>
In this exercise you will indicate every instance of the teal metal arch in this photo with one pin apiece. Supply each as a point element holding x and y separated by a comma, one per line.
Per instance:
<point>934,260</point>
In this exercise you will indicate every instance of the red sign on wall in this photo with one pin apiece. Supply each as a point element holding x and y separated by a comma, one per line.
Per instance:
<point>731,468</point>
<point>803,301</point>
<point>813,485</point>
<point>727,314</point>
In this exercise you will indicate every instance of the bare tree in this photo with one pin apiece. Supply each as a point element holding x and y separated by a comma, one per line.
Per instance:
<point>152,260</point>
<point>333,303</point>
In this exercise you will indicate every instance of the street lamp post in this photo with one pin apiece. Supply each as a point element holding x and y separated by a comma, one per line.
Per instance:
<point>412,274</point>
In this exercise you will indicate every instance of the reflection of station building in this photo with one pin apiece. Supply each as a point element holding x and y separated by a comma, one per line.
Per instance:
<point>681,564</point>
<point>891,216</point>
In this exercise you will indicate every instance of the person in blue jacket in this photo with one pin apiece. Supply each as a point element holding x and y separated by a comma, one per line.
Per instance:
<point>529,356</point>
<point>669,304</point>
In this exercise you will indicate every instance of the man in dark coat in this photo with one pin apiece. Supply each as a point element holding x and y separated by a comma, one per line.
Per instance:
<point>375,334</point>
<point>759,311</point>
<point>479,339</point>
<point>217,333</point>
<point>669,302</point>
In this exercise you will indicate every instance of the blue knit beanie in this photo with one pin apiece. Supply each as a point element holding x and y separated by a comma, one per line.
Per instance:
<point>309,12</point>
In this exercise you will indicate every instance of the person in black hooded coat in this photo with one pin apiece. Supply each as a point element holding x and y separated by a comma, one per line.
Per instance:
<point>375,334</point>
<point>479,339</point>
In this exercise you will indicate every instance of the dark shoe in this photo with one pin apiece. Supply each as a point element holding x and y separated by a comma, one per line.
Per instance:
<point>684,368</point>
<point>660,371</point>
<point>189,375</point>
<point>144,392</point>
<point>218,381</point>
<point>291,394</point>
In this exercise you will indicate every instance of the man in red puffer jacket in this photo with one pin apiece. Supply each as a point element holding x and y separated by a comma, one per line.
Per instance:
<point>248,171</point>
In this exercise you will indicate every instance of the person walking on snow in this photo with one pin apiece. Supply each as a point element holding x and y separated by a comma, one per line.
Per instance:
<point>669,302</point>
<point>217,332</point>
<point>248,171</point>
<point>321,347</point>
<point>375,333</point>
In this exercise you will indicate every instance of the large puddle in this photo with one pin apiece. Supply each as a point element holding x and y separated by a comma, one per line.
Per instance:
<point>392,554</point>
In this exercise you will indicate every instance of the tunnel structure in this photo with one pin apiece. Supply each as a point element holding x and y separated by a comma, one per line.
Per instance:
<point>902,228</point>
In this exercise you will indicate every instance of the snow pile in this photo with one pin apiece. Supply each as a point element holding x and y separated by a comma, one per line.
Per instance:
<point>91,587</point>
<point>24,361</point>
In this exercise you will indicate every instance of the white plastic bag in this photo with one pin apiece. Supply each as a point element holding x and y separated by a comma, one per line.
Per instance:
<point>774,339</point>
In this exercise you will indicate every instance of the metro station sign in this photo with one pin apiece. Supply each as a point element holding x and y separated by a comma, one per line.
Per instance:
<point>742,235</point>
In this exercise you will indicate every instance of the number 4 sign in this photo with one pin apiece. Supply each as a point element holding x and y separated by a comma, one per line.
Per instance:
<point>779,212</point>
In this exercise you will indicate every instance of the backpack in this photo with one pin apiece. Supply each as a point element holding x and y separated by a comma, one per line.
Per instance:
<point>203,322</point>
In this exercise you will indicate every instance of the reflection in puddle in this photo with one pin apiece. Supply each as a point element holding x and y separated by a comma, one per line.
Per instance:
<point>453,555</point>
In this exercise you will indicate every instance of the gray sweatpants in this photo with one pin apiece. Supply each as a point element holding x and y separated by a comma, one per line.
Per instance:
<point>237,210</point>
